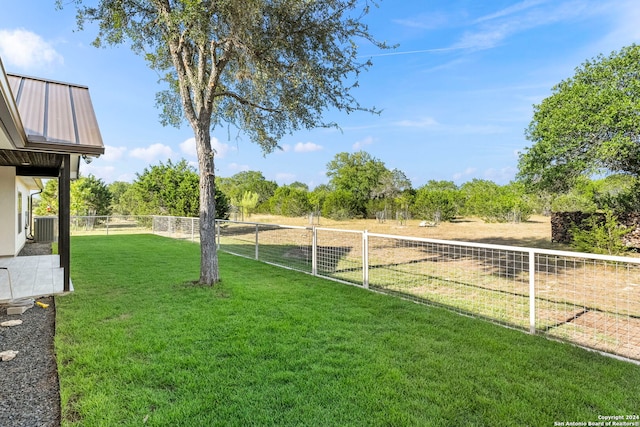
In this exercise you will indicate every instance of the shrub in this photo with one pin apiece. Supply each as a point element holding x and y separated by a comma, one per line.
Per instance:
<point>600,235</point>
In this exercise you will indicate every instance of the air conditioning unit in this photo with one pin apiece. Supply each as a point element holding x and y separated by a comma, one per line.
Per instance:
<point>44,229</point>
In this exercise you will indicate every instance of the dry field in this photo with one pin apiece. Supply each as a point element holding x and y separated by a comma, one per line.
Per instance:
<point>535,233</point>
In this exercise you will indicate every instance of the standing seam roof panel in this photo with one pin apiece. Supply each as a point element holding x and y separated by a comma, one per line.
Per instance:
<point>60,121</point>
<point>87,125</point>
<point>31,105</point>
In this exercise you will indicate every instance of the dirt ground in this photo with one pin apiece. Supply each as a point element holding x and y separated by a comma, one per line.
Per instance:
<point>535,233</point>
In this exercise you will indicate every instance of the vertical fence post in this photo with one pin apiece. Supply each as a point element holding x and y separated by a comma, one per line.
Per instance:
<point>314,252</point>
<point>257,230</point>
<point>532,292</point>
<point>107,225</point>
<point>217,225</point>
<point>365,259</point>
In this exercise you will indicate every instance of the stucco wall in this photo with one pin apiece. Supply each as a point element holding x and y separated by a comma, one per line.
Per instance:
<point>21,236</point>
<point>8,208</point>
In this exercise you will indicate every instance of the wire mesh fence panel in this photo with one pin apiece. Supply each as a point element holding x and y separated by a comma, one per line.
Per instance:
<point>286,246</point>
<point>485,282</point>
<point>186,228</point>
<point>237,238</point>
<point>589,301</point>
<point>339,254</point>
<point>112,224</point>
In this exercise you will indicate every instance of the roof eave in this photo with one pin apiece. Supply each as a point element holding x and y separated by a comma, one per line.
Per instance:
<point>9,116</point>
<point>89,150</point>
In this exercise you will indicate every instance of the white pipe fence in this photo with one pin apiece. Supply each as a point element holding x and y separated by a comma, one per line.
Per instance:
<point>590,300</point>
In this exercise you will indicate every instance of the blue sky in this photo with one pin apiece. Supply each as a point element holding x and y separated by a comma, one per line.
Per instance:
<point>456,95</point>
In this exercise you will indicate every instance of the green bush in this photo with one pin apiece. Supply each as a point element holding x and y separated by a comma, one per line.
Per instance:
<point>600,235</point>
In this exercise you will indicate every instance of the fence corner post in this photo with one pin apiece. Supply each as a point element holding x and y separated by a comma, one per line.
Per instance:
<point>365,259</point>
<point>532,292</point>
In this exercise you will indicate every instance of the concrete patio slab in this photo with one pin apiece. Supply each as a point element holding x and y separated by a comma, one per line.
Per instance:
<point>30,277</point>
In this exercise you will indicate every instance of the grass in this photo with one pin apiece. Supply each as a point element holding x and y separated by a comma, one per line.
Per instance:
<point>137,345</point>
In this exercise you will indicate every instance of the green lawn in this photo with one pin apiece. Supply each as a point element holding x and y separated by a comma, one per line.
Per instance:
<point>137,345</point>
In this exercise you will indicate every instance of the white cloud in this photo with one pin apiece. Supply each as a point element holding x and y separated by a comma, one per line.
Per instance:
<point>27,50</point>
<point>188,147</point>
<point>363,143</point>
<point>111,153</point>
<point>234,167</point>
<point>425,122</point>
<point>523,5</point>
<point>152,152</point>
<point>105,173</point>
<point>285,148</point>
<point>284,177</point>
<point>467,172</point>
<point>492,29</point>
<point>306,147</point>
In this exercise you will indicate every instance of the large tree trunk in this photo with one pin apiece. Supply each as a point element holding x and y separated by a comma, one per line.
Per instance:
<point>209,274</point>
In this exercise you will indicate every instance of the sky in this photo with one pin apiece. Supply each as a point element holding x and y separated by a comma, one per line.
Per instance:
<point>455,95</point>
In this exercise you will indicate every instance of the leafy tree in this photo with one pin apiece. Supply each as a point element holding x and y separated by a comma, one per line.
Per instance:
<point>359,174</point>
<point>300,185</point>
<point>247,181</point>
<point>589,125</point>
<point>391,185</point>
<point>318,196</point>
<point>573,201</point>
<point>290,200</point>
<point>495,203</point>
<point>246,204</point>
<point>264,66</point>
<point>89,196</point>
<point>437,200</point>
<point>580,198</point>
<point>168,189</point>
<point>117,190</point>
<point>48,204</point>
<point>340,204</point>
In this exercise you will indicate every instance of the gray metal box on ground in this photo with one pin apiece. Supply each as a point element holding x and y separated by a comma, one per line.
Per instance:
<point>44,229</point>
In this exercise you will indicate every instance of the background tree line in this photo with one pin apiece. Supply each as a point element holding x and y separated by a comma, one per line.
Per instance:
<point>360,186</point>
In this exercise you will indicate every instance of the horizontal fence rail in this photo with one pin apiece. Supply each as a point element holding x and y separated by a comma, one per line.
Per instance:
<point>590,300</point>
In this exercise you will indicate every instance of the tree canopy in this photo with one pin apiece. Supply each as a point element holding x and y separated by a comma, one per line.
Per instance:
<point>358,176</point>
<point>167,189</point>
<point>590,124</point>
<point>266,67</point>
<point>89,196</point>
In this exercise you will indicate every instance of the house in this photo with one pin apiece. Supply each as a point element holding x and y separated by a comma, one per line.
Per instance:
<point>46,129</point>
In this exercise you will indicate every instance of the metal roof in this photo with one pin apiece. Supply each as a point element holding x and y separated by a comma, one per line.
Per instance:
<point>56,117</point>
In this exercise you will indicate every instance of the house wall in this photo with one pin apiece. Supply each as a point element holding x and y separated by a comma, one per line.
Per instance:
<point>13,227</point>
<point>8,207</point>
<point>22,223</point>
